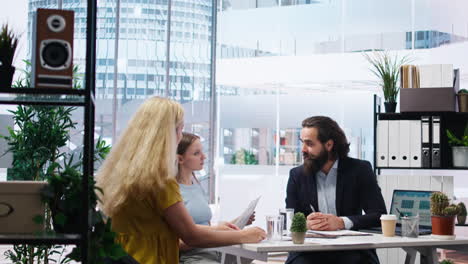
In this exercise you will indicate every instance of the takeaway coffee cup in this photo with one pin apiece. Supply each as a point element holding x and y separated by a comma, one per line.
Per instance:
<point>388,224</point>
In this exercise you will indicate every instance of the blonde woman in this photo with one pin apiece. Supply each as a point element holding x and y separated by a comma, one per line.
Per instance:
<point>142,196</point>
<point>191,158</point>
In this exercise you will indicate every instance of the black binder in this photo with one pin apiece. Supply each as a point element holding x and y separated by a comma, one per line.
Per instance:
<point>435,147</point>
<point>425,142</point>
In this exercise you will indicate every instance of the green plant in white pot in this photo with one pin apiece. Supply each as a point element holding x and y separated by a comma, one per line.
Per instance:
<point>459,148</point>
<point>298,228</point>
<point>387,69</point>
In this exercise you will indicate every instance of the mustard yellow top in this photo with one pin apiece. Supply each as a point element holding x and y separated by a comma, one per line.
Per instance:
<point>142,230</point>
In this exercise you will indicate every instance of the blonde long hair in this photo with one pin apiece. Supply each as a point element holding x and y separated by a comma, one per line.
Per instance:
<point>144,158</point>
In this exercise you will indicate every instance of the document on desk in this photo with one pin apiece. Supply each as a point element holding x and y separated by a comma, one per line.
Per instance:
<point>242,220</point>
<point>339,233</point>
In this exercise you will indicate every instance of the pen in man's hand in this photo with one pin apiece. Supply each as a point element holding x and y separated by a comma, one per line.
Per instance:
<point>312,208</point>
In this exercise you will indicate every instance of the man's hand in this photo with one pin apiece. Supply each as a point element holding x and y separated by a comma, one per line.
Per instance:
<point>324,222</point>
<point>226,226</point>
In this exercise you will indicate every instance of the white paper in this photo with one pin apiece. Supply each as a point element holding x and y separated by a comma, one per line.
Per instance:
<point>339,233</point>
<point>242,220</point>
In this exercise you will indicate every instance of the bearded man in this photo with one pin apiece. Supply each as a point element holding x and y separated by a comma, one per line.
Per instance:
<point>333,190</point>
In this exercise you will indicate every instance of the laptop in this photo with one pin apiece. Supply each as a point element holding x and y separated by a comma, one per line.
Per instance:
<point>410,203</point>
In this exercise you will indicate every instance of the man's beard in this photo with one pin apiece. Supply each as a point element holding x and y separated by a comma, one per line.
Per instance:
<point>313,164</point>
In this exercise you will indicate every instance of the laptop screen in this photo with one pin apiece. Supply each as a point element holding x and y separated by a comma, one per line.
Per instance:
<point>411,203</point>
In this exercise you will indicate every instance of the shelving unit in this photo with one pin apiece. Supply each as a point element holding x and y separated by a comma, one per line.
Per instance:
<point>66,97</point>
<point>45,239</point>
<point>454,121</point>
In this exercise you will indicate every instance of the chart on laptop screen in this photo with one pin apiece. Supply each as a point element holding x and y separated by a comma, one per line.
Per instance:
<point>411,203</point>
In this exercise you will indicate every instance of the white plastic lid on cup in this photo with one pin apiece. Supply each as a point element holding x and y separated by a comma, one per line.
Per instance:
<point>388,217</point>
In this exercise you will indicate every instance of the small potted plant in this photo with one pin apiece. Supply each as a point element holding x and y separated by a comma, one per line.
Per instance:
<point>459,148</point>
<point>8,44</point>
<point>298,228</point>
<point>447,261</point>
<point>462,96</point>
<point>442,216</point>
<point>387,69</point>
<point>461,217</point>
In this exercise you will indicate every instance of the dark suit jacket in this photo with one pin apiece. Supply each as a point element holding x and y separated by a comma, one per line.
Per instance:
<point>356,190</point>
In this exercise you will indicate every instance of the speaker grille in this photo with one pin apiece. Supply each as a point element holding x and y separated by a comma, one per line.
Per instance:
<point>55,54</point>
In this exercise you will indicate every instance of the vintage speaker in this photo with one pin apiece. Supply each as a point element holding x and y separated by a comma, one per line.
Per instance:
<point>52,49</point>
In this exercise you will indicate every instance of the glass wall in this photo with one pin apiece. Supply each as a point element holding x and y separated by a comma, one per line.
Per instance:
<point>137,58</point>
<point>279,63</point>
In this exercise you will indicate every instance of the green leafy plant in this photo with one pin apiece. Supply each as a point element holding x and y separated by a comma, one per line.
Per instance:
<point>463,91</point>
<point>447,261</point>
<point>440,205</point>
<point>38,154</point>
<point>299,223</point>
<point>8,45</point>
<point>387,69</point>
<point>63,195</point>
<point>461,209</point>
<point>243,156</point>
<point>455,141</point>
<point>42,132</point>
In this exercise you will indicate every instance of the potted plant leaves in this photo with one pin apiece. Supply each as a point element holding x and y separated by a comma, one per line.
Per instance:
<point>442,216</point>
<point>447,261</point>
<point>298,228</point>
<point>387,69</point>
<point>462,96</point>
<point>461,217</point>
<point>459,148</point>
<point>8,45</point>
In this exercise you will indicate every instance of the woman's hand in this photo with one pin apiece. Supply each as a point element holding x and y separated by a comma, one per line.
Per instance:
<point>251,219</point>
<point>253,235</point>
<point>226,226</point>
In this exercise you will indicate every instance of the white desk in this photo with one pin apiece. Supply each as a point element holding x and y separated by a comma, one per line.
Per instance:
<point>425,245</point>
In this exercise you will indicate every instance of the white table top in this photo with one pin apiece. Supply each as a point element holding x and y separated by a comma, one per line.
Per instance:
<point>356,242</point>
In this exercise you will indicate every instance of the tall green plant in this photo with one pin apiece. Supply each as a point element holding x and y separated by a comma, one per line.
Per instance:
<point>37,146</point>
<point>41,132</point>
<point>63,195</point>
<point>36,143</point>
<point>387,69</point>
<point>8,45</point>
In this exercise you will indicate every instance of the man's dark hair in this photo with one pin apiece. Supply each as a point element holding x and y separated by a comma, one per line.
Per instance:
<point>328,129</point>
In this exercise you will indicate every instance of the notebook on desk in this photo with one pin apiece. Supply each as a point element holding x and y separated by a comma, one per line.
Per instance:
<point>410,203</point>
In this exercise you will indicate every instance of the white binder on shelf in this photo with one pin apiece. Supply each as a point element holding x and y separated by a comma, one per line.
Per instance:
<point>435,142</point>
<point>403,159</point>
<point>382,143</point>
<point>393,143</point>
<point>415,143</point>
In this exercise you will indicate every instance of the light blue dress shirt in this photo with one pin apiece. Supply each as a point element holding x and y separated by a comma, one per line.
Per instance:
<point>326,193</point>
